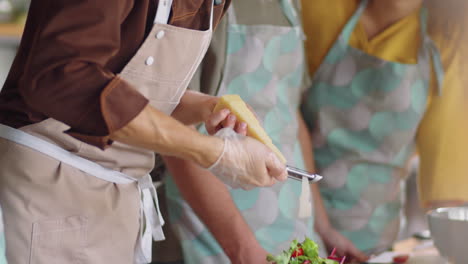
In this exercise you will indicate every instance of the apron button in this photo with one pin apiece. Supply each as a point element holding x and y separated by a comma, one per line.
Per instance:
<point>149,61</point>
<point>160,34</point>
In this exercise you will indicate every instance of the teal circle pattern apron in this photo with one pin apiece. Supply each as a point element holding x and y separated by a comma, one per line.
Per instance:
<point>2,240</point>
<point>265,66</point>
<point>364,113</point>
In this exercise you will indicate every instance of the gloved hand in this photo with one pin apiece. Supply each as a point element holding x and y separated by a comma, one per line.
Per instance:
<point>246,163</point>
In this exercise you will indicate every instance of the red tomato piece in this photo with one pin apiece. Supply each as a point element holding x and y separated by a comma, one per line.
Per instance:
<point>306,262</point>
<point>400,258</point>
<point>298,252</point>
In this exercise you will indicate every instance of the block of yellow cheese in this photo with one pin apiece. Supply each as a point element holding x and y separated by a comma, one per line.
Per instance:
<point>237,106</point>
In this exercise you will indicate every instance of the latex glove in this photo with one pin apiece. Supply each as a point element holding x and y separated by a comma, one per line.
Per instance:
<point>246,163</point>
<point>344,247</point>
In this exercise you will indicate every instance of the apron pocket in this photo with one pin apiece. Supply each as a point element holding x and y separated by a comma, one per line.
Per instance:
<point>59,241</point>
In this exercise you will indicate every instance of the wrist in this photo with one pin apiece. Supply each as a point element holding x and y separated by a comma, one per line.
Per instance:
<point>194,107</point>
<point>204,105</point>
<point>247,251</point>
<point>322,228</point>
<point>210,149</point>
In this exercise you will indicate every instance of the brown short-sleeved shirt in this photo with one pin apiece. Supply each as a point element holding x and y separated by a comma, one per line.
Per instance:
<point>69,57</point>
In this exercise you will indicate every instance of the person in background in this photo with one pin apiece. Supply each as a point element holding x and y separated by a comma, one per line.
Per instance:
<point>442,141</point>
<point>257,52</point>
<point>95,89</point>
<point>371,66</point>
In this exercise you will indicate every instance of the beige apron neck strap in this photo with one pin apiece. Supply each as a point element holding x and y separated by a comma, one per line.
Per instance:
<point>211,15</point>
<point>164,10</point>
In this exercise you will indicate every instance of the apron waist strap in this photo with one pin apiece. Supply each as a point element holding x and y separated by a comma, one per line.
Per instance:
<point>151,220</point>
<point>64,156</point>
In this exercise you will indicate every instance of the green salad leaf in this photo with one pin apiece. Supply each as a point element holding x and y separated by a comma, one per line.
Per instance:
<point>310,248</point>
<point>300,253</point>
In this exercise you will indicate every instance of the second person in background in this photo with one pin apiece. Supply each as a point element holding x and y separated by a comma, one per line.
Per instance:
<point>257,52</point>
<point>371,67</point>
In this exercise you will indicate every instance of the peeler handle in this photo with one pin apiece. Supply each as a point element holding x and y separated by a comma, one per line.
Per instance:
<point>298,174</point>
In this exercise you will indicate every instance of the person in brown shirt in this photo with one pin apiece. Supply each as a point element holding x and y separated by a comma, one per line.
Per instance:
<point>72,52</point>
<point>95,89</point>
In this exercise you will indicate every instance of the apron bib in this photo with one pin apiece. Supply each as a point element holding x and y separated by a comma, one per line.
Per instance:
<point>364,113</point>
<point>161,71</point>
<point>166,62</point>
<point>265,66</point>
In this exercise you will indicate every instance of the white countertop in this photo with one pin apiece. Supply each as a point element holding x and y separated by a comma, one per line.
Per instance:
<point>420,252</point>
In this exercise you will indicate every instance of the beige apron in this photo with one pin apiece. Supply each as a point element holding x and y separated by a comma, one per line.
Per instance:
<point>54,211</point>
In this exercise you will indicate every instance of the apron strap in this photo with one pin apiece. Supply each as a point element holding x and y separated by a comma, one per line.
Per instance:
<point>150,215</point>
<point>348,29</point>
<point>431,51</point>
<point>164,10</point>
<point>437,64</point>
<point>293,17</point>
<point>286,6</point>
<point>290,12</point>
<point>58,153</point>
<point>211,15</point>
<point>151,221</point>
<point>231,14</point>
<point>341,44</point>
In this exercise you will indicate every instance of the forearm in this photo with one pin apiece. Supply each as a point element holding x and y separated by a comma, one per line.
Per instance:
<point>212,202</point>
<point>322,221</point>
<point>194,107</point>
<point>156,131</point>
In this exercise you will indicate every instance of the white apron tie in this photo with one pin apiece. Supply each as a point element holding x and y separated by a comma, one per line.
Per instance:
<point>151,220</point>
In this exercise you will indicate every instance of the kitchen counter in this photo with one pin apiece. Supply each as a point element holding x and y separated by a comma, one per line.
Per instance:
<point>420,252</point>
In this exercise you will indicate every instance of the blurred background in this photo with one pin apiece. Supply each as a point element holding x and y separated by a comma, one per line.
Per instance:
<point>12,18</point>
